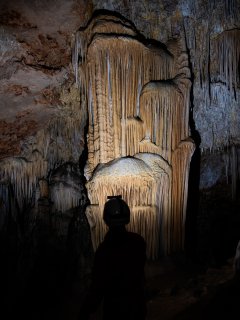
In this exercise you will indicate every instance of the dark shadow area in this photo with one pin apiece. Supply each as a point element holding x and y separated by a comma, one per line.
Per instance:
<point>42,266</point>
<point>223,303</point>
<point>220,224</point>
<point>39,275</point>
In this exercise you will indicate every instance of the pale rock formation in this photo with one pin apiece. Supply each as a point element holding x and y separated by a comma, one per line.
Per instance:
<point>138,138</point>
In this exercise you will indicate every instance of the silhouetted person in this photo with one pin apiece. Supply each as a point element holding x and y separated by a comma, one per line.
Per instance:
<point>118,270</point>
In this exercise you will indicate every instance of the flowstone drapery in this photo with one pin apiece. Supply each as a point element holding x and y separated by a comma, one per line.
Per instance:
<point>137,94</point>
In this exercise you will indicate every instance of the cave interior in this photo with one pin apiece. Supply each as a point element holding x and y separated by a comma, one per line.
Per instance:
<point>138,98</point>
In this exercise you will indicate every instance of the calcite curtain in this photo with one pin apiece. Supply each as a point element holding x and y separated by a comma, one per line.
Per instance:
<point>137,92</point>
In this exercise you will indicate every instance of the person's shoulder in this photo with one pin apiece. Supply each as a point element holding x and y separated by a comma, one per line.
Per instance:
<point>136,237</point>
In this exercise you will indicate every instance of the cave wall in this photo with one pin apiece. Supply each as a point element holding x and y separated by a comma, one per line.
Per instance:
<point>43,115</point>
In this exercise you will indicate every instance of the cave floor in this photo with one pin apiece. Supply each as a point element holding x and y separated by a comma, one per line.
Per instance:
<point>184,291</point>
<point>176,289</point>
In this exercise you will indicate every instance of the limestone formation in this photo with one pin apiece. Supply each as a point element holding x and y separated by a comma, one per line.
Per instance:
<point>138,136</point>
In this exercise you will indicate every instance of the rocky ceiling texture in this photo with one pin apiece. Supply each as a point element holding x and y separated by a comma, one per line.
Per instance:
<point>43,119</point>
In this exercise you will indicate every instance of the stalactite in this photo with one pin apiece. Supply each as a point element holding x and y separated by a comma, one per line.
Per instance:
<point>138,104</point>
<point>221,119</point>
<point>65,134</point>
<point>127,95</point>
<point>43,189</point>
<point>234,171</point>
<point>226,163</point>
<point>226,49</point>
<point>4,202</point>
<point>231,161</point>
<point>140,176</point>
<point>181,162</point>
<point>62,140</point>
<point>82,39</point>
<point>66,188</point>
<point>65,197</point>
<point>165,124</point>
<point>202,63</point>
<point>163,172</point>
<point>212,37</point>
<point>23,175</point>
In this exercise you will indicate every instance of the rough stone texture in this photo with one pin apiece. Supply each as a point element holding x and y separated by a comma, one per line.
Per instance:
<point>35,46</point>
<point>67,188</point>
<point>40,109</point>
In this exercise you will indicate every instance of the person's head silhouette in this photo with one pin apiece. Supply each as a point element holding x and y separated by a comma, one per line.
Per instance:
<point>116,212</point>
<point>118,270</point>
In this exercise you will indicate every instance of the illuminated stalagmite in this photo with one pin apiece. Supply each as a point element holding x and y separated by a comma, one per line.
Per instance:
<point>138,136</point>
